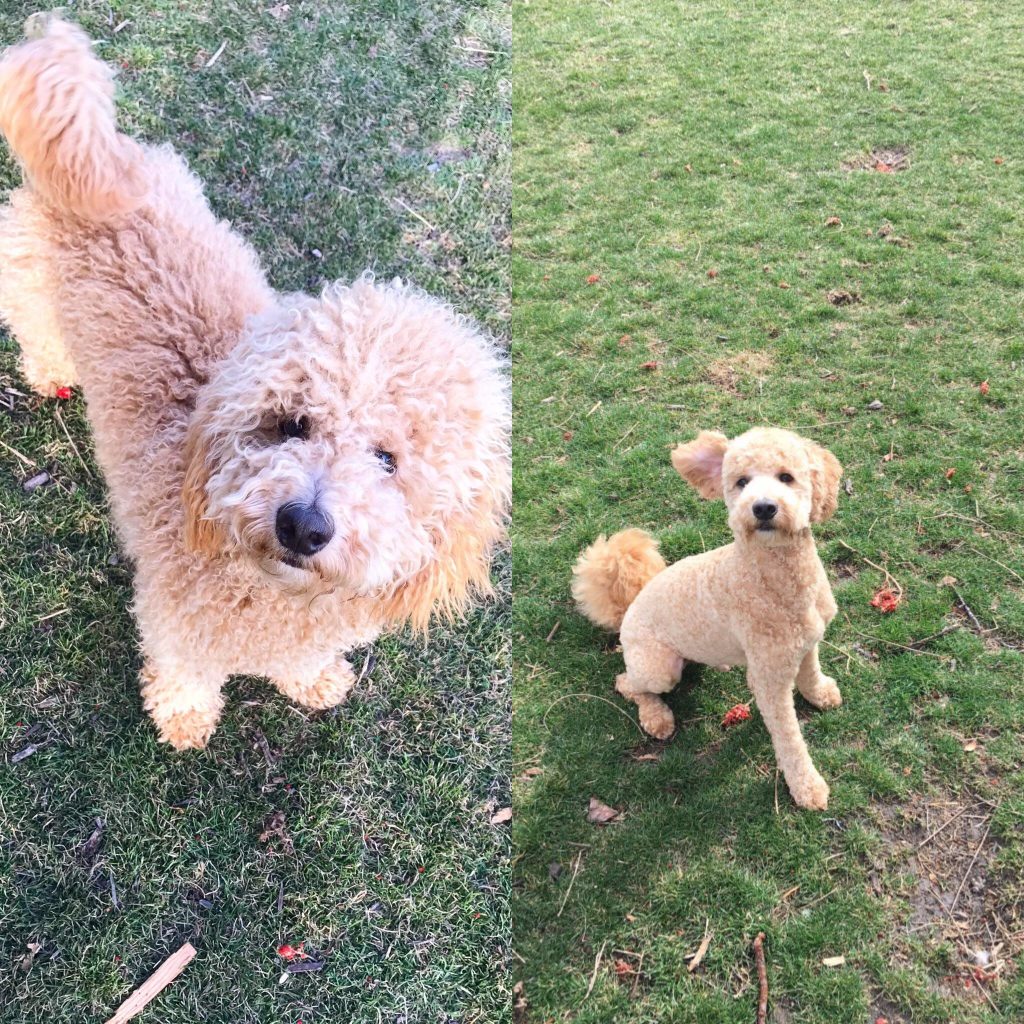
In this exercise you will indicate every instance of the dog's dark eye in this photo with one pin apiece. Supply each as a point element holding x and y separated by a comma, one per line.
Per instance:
<point>387,460</point>
<point>742,482</point>
<point>786,478</point>
<point>298,427</point>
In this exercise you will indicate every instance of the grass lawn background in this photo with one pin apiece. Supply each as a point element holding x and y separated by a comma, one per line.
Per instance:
<point>676,167</point>
<point>335,137</point>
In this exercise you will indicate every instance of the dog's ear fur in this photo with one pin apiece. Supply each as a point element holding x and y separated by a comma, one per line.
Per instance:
<point>202,535</point>
<point>460,570</point>
<point>699,462</point>
<point>826,472</point>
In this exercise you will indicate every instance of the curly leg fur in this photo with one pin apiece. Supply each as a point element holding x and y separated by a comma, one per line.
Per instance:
<point>772,687</point>
<point>184,706</point>
<point>327,690</point>
<point>651,670</point>
<point>815,687</point>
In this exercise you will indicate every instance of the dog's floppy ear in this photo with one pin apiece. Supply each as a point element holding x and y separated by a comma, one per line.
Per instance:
<point>202,535</point>
<point>699,462</point>
<point>826,472</point>
<point>460,569</point>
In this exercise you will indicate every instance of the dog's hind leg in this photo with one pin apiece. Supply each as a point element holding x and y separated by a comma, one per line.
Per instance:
<point>651,670</point>
<point>815,687</point>
<point>184,706</point>
<point>28,300</point>
<point>325,689</point>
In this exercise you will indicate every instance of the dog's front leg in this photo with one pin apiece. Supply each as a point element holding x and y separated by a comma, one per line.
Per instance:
<point>815,687</point>
<point>772,687</point>
<point>184,705</point>
<point>319,689</point>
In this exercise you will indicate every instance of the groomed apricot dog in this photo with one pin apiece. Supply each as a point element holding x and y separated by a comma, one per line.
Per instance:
<point>763,601</point>
<point>290,474</point>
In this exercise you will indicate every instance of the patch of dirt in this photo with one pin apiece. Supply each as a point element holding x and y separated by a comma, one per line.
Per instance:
<point>882,1009</point>
<point>945,846</point>
<point>896,158</point>
<point>841,297</point>
<point>728,371</point>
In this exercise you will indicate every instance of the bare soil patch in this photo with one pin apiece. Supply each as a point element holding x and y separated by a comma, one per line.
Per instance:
<point>729,371</point>
<point>896,158</point>
<point>944,845</point>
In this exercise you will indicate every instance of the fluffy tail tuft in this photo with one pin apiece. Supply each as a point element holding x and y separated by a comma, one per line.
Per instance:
<point>611,572</point>
<point>57,113</point>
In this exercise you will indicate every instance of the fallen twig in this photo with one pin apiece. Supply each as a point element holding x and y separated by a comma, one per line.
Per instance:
<point>572,881</point>
<point>593,976</point>
<point>967,609</point>
<point>154,984</point>
<point>949,821</point>
<point>697,958</point>
<point>762,979</point>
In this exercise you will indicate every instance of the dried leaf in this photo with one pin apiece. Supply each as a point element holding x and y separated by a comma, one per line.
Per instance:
<point>599,813</point>
<point>501,816</point>
<point>696,958</point>
<point>833,222</point>
<point>833,961</point>
<point>652,365</point>
<point>26,962</point>
<point>593,278</point>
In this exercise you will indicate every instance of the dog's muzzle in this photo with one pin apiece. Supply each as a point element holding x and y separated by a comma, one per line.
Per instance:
<point>764,513</point>
<point>303,529</point>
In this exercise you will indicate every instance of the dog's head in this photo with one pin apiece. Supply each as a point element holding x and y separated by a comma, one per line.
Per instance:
<point>775,484</point>
<point>356,442</point>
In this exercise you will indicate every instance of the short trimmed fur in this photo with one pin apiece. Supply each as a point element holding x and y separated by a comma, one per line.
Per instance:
<point>115,275</point>
<point>763,601</point>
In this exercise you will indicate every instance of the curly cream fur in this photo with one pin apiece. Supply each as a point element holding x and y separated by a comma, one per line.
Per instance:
<point>611,572</point>
<point>763,601</point>
<point>115,274</point>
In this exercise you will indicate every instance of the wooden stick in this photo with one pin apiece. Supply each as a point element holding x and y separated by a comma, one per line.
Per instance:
<point>762,979</point>
<point>154,984</point>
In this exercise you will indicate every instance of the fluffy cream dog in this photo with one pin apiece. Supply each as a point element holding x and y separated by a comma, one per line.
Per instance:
<point>290,475</point>
<point>763,601</point>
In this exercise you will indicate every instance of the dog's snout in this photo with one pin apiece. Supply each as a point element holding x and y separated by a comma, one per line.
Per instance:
<point>303,529</point>
<point>764,511</point>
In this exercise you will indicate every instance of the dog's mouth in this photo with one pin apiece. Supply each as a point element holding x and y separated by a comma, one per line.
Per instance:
<point>765,527</point>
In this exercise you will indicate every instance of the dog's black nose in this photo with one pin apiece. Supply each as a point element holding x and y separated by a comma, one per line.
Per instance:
<point>764,511</point>
<point>303,529</point>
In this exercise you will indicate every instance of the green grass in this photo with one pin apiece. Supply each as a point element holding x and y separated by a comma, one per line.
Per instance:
<point>336,137</point>
<point>655,142</point>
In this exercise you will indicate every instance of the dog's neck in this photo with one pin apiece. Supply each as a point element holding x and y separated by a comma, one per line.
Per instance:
<point>796,547</point>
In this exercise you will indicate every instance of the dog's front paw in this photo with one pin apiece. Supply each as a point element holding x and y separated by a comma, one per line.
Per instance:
<point>331,688</point>
<point>187,730</point>
<point>825,695</point>
<point>810,791</point>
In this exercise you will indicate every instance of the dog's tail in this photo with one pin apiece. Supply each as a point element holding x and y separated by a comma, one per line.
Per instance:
<point>57,113</point>
<point>611,572</point>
